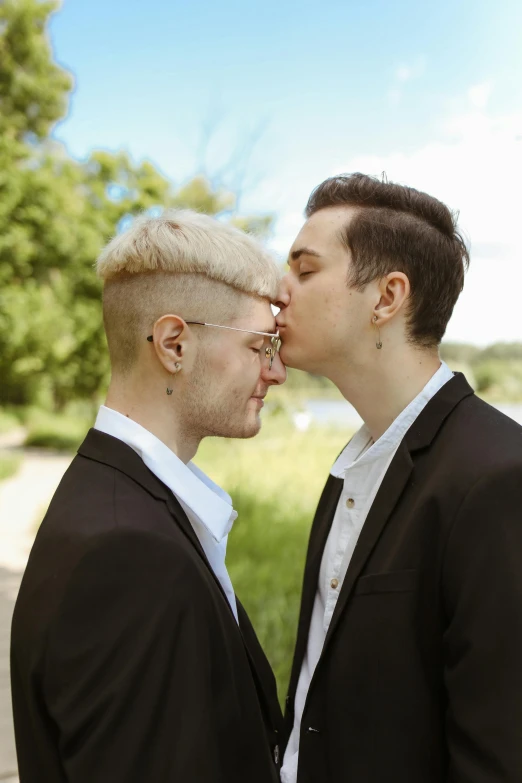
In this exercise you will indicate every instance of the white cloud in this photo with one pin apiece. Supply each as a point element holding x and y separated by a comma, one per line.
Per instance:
<point>473,164</point>
<point>287,227</point>
<point>479,94</point>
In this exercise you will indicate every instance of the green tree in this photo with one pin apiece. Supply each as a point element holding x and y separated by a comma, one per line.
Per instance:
<point>34,90</point>
<point>56,213</point>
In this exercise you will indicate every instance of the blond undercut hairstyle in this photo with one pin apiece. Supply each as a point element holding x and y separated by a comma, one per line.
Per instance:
<point>183,263</point>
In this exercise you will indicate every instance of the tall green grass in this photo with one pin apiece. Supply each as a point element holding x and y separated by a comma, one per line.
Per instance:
<point>9,464</point>
<point>57,431</point>
<point>8,421</point>
<point>275,481</point>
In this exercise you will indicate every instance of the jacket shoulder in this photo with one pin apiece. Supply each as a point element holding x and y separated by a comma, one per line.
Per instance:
<point>93,498</point>
<point>490,437</point>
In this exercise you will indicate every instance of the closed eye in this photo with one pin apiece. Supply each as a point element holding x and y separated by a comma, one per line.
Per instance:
<point>305,274</point>
<point>256,350</point>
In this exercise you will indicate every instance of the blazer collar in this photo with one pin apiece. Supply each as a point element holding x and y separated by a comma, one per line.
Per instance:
<point>419,436</point>
<point>430,420</point>
<point>111,451</point>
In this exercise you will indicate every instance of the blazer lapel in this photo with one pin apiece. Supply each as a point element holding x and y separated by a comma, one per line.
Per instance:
<point>319,533</point>
<point>183,521</point>
<point>262,673</point>
<point>111,451</point>
<point>386,499</point>
<point>259,666</point>
<point>418,437</point>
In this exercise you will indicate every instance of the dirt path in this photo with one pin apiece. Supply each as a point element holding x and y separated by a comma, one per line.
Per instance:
<point>23,501</point>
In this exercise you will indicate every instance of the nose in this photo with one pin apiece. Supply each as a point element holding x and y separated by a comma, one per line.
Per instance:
<point>283,294</point>
<point>276,375</point>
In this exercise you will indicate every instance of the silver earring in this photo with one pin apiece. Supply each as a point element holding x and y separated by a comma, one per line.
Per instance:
<point>378,344</point>
<point>177,368</point>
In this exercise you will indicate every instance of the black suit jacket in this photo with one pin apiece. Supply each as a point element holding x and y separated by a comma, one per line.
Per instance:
<point>420,678</point>
<point>127,663</point>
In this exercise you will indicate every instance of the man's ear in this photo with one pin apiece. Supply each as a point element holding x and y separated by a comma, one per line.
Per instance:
<point>394,290</point>
<point>174,344</point>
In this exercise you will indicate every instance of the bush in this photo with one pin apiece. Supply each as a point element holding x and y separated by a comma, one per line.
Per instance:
<point>54,431</point>
<point>500,380</point>
<point>9,465</point>
<point>8,421</point>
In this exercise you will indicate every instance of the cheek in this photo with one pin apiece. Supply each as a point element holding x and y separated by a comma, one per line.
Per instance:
<point>329,306</point>
<point>239,372</point>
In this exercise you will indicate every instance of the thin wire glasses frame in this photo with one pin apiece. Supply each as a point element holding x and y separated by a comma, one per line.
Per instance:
<point>270,352</point>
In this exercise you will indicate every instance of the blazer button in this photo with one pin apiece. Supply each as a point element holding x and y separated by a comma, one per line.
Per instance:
<point>276,755</point>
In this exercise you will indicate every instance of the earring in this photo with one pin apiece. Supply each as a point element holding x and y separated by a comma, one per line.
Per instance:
<point>177,368</point>
<point>378,344</point>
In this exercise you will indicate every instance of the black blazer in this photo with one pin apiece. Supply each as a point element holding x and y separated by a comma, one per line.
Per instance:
<point>420,679</point>
<point>127,663</point>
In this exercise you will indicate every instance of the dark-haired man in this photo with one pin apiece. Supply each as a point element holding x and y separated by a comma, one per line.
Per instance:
<point>407,666</point>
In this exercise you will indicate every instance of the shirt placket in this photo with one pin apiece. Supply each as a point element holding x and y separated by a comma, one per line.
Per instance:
<point>349,514</point>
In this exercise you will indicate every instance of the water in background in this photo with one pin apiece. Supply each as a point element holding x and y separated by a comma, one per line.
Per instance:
<point>341,414</point>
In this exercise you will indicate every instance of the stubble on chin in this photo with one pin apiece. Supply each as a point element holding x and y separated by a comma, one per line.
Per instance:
<point>211,416</point>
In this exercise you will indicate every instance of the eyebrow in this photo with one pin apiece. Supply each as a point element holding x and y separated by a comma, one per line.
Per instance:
<point>303,251</point>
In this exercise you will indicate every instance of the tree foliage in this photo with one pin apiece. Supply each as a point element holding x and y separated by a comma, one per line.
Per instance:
<point>56,213</point>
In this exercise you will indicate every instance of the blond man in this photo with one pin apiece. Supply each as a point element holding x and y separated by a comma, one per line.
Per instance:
<point>132,659</point>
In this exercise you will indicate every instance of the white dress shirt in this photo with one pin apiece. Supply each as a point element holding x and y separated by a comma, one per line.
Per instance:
<point>363,465</point>
<point>207,506</point>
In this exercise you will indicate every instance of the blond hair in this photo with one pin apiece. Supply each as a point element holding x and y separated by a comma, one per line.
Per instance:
<point>186,242</point>
<point>183,263</point>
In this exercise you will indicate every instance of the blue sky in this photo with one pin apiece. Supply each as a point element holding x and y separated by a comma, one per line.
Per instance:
<point>293,92</point>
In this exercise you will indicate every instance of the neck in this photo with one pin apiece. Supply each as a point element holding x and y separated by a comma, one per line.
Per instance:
<point>156,415</point>
<point>381,388</point>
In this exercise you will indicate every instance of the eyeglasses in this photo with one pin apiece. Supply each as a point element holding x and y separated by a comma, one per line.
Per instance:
<point>270,351</point>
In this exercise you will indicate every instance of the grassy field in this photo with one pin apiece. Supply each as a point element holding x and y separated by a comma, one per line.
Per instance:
<point>8,421</point>
<point>275,481</point>
<point>60,432</point>
<point>9,465</point>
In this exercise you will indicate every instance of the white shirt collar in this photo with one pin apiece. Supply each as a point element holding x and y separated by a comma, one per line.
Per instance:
<point>362,449</point>
<point>210,504</point>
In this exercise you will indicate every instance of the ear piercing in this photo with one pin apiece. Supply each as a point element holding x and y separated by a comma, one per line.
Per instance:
<point>177,368</point>
<point>378,344</point>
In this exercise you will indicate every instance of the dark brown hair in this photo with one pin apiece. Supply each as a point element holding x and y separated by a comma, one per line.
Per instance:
<point>400,229</point>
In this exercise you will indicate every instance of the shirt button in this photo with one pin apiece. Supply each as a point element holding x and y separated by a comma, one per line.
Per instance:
<point>334,584</point>
<point>350,502</point>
